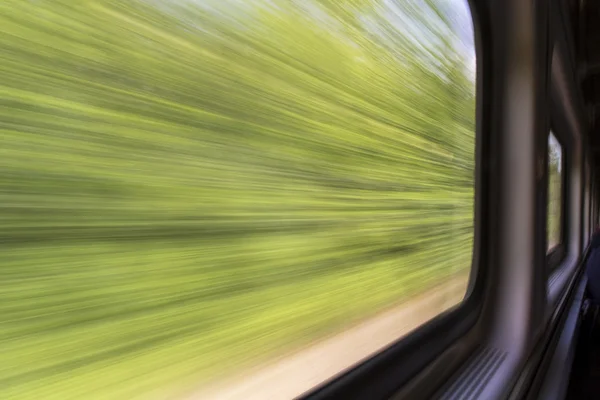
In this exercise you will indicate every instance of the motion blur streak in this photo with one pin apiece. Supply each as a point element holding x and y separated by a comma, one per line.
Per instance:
<point>554,215</point>
<point>189,189</point>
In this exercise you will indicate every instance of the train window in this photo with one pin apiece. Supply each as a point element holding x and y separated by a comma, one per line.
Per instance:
<point>588,201</point>
<point>585,206</point>
<point>555,191</point>
<point>593,222</point>
<point>211,195</point>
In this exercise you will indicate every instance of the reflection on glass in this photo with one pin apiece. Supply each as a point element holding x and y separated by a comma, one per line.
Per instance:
<point>554,211</point>
<point>198,197</point>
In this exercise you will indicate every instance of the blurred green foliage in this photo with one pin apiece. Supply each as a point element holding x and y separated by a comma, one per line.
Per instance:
<point>554,212</point>
<point>191,187</point>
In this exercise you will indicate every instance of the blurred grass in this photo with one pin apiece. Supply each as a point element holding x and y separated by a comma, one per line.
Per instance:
<point>188,188</point>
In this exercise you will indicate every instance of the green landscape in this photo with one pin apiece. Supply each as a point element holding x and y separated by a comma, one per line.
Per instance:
<point>191,188</point>
<point>553,215</point>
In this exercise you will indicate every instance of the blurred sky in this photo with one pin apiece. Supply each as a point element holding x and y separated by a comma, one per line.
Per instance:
<point>456,11</point>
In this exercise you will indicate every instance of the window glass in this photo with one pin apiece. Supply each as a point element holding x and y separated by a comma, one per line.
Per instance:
<point>588,207</point>
<point>555,203</point>
<point>591,205</point>
<point>593,208</point>
<point>588,204</point>
<point>225,197</point>
<point>585,214</point>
